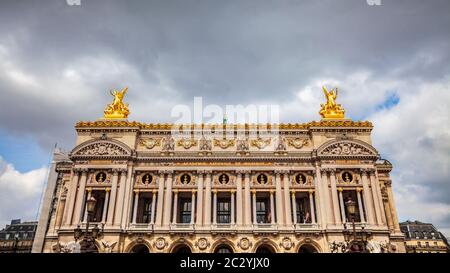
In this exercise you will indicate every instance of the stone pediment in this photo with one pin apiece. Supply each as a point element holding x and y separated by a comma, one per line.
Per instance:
<point>347,148</point>
<point>101,148</point>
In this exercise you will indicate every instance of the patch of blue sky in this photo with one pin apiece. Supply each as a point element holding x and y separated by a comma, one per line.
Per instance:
<point>23,152</point>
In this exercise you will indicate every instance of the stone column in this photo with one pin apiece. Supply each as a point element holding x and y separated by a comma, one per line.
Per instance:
<point>71,198</point>
<point>193,208</point>
<point>168,200</point>
<point>311,205</point>
<point>120,200</point>
<point>279,199</point>
<point>341,202</point>
<point>239,204</point>
<point>105,205</point>
<point>374,176</point>
<point>128,198</point>
<point>152,217</point>
<point>320,199</point>
<point>327,198</point>
<point>85,213</point>
<point>287,199</point>
<point>392,205</point>
<point>175,206</point>
<point>112,201</point>
<point>248,210</point>
<point>215,207</point>
<point>254,207</point>
<point>79,204</point>
<point>200,199</point>
<point>360,206</point>
<point>135,206</point>
<point>334,197</point>
<point>294,207</point>
<point>272,208</point>
<point>232,207</point>
<point>160,205</point>
<point>60,211</point>
<point>207,220</point>
<point>367,198</point>
<point>376,198</point>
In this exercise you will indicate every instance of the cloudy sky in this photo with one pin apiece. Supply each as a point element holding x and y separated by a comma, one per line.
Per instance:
<point>391,63</point>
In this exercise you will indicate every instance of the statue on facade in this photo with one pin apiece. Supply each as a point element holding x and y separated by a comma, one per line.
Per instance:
<point>117,109</point>
<point>108,246</point>
<point>331,110</point>
<point>205,144</point>
<point>242,145</point>
<point>169,144</point>
<point>281,144</point>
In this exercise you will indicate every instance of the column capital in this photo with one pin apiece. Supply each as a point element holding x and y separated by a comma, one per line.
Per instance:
<point>161,172</point>
<point>200,172</point>
<point>169,172</point>
<point>311,191</point>
<point>136,191</point>
<point>89,189</point>
<point>175,191</point>
<point>293,192</point>
<point>154,191</point>
<point>281,171</point>
<point>194,191</point>
<point>253,191</point>
<point>107,189</point>
<point>365,171</point>
<point>271,191</point>
<point>359,189</point>
<point>340,189</point>
<point>232,191</point>
<point>214,191</point>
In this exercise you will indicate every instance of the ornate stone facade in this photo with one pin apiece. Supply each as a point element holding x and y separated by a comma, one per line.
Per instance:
<point>243,192</point>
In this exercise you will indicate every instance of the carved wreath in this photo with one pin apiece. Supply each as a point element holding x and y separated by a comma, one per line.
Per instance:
<point>261,143</point>
<point>297,143</point>
<point>187,143</point>
<point>224,143</point>
<point>150,143</point>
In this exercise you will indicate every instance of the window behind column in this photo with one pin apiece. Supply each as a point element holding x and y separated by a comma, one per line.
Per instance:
<point>262,210</point>
<point>223,211</point>
<point>303,208</point>
<point>144,208</point>
<point>346,194</point>
<point>99,196</point>
<point>185,210</point>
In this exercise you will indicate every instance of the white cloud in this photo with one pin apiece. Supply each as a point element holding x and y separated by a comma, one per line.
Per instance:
<point>19,192</point>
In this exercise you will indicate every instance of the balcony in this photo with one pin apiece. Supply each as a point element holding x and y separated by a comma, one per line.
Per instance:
<point>181,228</point>
<point>141,227</point>
<point>265,228</point>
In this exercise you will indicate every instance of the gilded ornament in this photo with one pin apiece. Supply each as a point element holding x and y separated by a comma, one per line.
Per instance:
<point>117,109</point>
<point>224,143</point>
<point>297,143</point>
<point>261,143</point>
<point>331,110</point>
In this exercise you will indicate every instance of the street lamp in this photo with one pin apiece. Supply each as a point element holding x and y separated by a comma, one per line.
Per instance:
<point>355,244</point>
<point>87,244</point>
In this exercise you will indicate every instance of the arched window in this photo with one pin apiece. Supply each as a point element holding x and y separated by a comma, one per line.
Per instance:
<point>140,248</point>
<point>265,249</point>
<point>182,249</point>
<point>307,249</point>
<point>223,249</point>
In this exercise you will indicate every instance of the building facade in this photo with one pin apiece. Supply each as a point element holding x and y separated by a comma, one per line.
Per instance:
<point>423,238</point>
<point>17,237</point>
<point>220,188</point>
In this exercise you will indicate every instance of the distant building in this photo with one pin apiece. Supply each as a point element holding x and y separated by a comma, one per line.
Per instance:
<point>423,238</point>
<point>17,237</point>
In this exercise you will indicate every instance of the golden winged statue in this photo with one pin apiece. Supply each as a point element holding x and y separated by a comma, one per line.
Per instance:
<point>117,109</point>
<point>331,110</point>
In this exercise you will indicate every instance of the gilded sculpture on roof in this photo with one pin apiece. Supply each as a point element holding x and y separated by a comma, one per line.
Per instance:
<point>117,109</point>
<point>331,110</point>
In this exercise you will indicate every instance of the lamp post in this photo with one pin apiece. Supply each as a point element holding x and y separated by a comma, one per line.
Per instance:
<point>87,244</point>
<point>356,244</point>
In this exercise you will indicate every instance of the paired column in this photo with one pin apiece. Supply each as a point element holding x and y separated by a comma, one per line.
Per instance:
<point>135,206</point>
<point>119,202</point>
<point>321,207</point>
<point>175,207</point>
<point>341,202</point>
<point>112,202</point>
<point>334,197</point>
<point>254,207</point>
<point>89,194</point>
<point>294,207</point>
<point>311,205</point>
<point>72,197</point>
<point>272,208</point>
<point>232,207</point>
<point>248,210</point>
<point>128,198</point>
<point>152,217</point>
<point>279,198</point>
<point>80,198</point>
<point>160,204</point>
<point>207,219</point>
<point>287,202</point>
<point>105,205</point>
<point>376,197</point>
<point>367,198</point>
<point>168,200</point>
<point>200,199</point>
<point>327,198</point>
<point>239,205</point>
<point>360,206</point>
<point>215,207</point>
<point>193,208</point>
